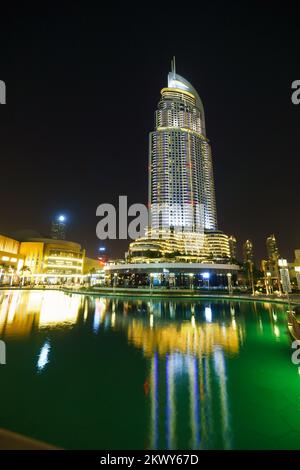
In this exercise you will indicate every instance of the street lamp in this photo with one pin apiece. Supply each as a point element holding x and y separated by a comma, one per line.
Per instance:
<point>151,280</point>
<point>206,277</point>
<point>191,275</point>
<point>269,283</point>
<point>229,275</point>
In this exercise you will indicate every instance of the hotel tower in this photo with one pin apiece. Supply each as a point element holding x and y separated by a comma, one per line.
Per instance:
<point>182,204</point>
<point>181,182</point>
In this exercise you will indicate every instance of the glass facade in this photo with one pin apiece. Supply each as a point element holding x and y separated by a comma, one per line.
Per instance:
<point>181,182</point>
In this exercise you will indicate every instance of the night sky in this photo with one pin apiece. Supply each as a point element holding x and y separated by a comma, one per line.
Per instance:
<point>82,88</point>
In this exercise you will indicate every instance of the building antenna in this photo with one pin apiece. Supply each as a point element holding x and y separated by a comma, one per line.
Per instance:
<point>173,67</point>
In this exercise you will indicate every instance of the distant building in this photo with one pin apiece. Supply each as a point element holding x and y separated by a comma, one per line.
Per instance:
<point>272,248</point>
<point>48,256</point>
<point>294,268</point>
<point>232,247</point>
<point>58,228</point>
<point>248,253</point>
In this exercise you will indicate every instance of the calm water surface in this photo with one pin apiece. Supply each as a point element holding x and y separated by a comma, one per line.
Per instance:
<point>111,373</point>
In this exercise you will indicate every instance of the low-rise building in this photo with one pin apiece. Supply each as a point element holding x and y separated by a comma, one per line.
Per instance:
<point>42,259</point>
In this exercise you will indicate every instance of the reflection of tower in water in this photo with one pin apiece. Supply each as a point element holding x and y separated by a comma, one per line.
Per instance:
<point>182,388</point>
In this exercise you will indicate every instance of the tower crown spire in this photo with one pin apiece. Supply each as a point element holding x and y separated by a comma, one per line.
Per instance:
<point>173,67</point>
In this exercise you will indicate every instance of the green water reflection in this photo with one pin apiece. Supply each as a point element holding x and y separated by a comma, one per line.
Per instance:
<point>108,373</point>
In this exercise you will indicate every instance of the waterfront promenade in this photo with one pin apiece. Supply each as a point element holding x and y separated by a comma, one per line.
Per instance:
<point>163,292</point>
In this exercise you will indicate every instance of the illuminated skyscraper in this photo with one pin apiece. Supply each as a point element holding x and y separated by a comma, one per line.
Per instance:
<point>232,247</point>
<point>181,200</point>
<point>58,228</point>
<point>248,252</point>
<point>181,182</point>
<point>272,248</point>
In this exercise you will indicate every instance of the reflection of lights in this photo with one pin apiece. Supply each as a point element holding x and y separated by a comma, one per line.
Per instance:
<point>208,314</point>
<point>59,308</point>
<point>12,307</point>
<point>113,319</point>
<point>275,316</point>
<point>276,331</point>
<point>100,308</point>
<point>193,322</point>
<point>96,323</point>
<point>43,356</point>
<point>151,320</point>
<point>219,361</point>
<point>86,310</point>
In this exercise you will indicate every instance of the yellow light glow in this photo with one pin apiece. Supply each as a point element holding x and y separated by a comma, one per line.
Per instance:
<point>65,258</point>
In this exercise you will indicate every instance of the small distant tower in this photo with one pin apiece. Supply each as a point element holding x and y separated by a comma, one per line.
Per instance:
<point>232,247</point>
<point>272,248</point>
<point>248,252</point>
<point>58,228</point>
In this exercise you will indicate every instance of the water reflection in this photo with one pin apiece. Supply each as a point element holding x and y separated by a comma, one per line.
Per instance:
<point>186,346</point>
<point>43,356</point>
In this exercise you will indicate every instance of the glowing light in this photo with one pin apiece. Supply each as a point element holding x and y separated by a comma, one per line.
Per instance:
<point>96,323</point>
<point>67,258</point>
<point>43,356</point>
<point>64,266</point>
<point>102,248</point>
<point>282,262</point>
<point>208,314</point>
<point>61,218</point>
<point>177,84</point>
<point>206,275</point>
<point>276,331</point>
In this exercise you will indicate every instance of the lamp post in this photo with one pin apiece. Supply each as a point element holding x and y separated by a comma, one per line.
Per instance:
<point>269,283</point>
<point>229,283</point>
<point>251,276</point>
<point>151,281</point>
<point>206,277</point>
<point>191,275</point>
<point>11,277</point>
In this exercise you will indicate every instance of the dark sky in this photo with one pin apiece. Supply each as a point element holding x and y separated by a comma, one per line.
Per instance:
<point>82,87</point>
